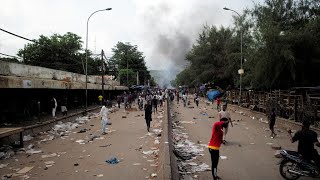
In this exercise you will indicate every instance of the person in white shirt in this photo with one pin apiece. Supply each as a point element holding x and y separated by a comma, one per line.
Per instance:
<point>184,98</point>
<point>104,118</point>
<point>224,114</point>
<point>54,106</point>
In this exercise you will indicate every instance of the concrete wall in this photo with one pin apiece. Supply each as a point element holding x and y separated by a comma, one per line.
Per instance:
<point>168,168</point>
<point>21,70</point>
<point>14,75</point>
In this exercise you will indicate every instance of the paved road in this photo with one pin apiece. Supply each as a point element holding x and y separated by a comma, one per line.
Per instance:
<point>249,157</point>
<point>125,137</point>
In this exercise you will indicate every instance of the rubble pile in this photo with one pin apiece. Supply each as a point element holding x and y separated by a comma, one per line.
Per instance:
<point>186,152</point>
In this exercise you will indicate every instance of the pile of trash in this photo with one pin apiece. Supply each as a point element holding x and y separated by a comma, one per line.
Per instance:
<point>6,152</point>
<point>186,151</point>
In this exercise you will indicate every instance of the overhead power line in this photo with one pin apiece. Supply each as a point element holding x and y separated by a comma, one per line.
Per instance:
<point>18,35</point>
<point>10,56</point>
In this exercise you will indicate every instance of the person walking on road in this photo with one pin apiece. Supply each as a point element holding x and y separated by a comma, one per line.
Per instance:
<point>197,99</point>
<point>272,121</point>
<point>148,114</point>
<point>214,146</point>
<point>119,100</point>
<point>224,115</point>
<point>184,98</point>
<point>155,104</point>
<point>218,104</point>
<point>104,117</point>
<point>54,106</point>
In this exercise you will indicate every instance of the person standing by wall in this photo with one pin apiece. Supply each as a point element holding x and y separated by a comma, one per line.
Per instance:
<point>214,146</point>
<point>54,106</point>
<point>148,114</point>
<point>272,122</point>
<point>104,117</point>
<point>100,99</point>
<point>64,109</point>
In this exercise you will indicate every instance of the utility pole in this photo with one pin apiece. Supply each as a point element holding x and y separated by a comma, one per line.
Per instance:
<point>102,73</point>
<point>137,77</point>
<point>127,67</point>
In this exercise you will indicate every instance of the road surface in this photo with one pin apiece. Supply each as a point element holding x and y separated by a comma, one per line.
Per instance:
<point>248,151</point>
<point>126,140</point>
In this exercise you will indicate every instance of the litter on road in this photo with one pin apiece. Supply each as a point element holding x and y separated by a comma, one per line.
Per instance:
<point>113,160</point>
<point>3,165</point>
<point>32,151</point>
<point>49,155</point>
<point>27,137</point>
<point>25,170</point>
<point>223,157</point>
<point>106,145</point>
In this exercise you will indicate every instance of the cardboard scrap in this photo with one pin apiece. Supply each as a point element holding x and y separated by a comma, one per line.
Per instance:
<point>25,170</point>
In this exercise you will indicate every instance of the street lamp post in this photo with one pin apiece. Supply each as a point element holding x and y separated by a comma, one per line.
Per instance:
<point>108,9</point>
<point>241,70</point>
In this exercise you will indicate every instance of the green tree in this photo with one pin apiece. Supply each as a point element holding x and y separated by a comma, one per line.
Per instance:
<point>125,54</point>
<point>62,52</point>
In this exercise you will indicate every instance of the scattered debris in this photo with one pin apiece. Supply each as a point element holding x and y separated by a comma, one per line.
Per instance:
<point>187,122</point>
<point>3,165</point>
<point>106,145</point>
<point>80,141</point>
<point>154,175</point>
<point>156,141</point>
<point>49,155</point>
<point>83,130</point>
<point>277,154</point>
<point>113,161</point>
<point>25,170</point>
<point>32,151</point>
<point>99,175</point>
<point>223,157</point>
<point>150,152</point>
<point>27,137</point>
<point>136,164</point>
<point>49,163</point>
<point>276,147</point>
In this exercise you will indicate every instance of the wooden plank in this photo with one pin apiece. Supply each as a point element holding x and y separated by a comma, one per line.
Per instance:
<point>4,132</point>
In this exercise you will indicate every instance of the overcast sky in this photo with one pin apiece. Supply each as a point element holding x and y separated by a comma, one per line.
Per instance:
<point>163,29</point>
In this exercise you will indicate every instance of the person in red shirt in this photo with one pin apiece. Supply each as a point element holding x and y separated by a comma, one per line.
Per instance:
<point>218,104</point>
<point>215,143</point>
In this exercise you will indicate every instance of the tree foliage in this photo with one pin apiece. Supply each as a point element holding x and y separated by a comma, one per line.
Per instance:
<point>127,55</point>
<point>61,52</point>
<point>280,48</point>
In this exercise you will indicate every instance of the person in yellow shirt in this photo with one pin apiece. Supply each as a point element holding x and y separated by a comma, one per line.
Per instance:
<point>100,98</point>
